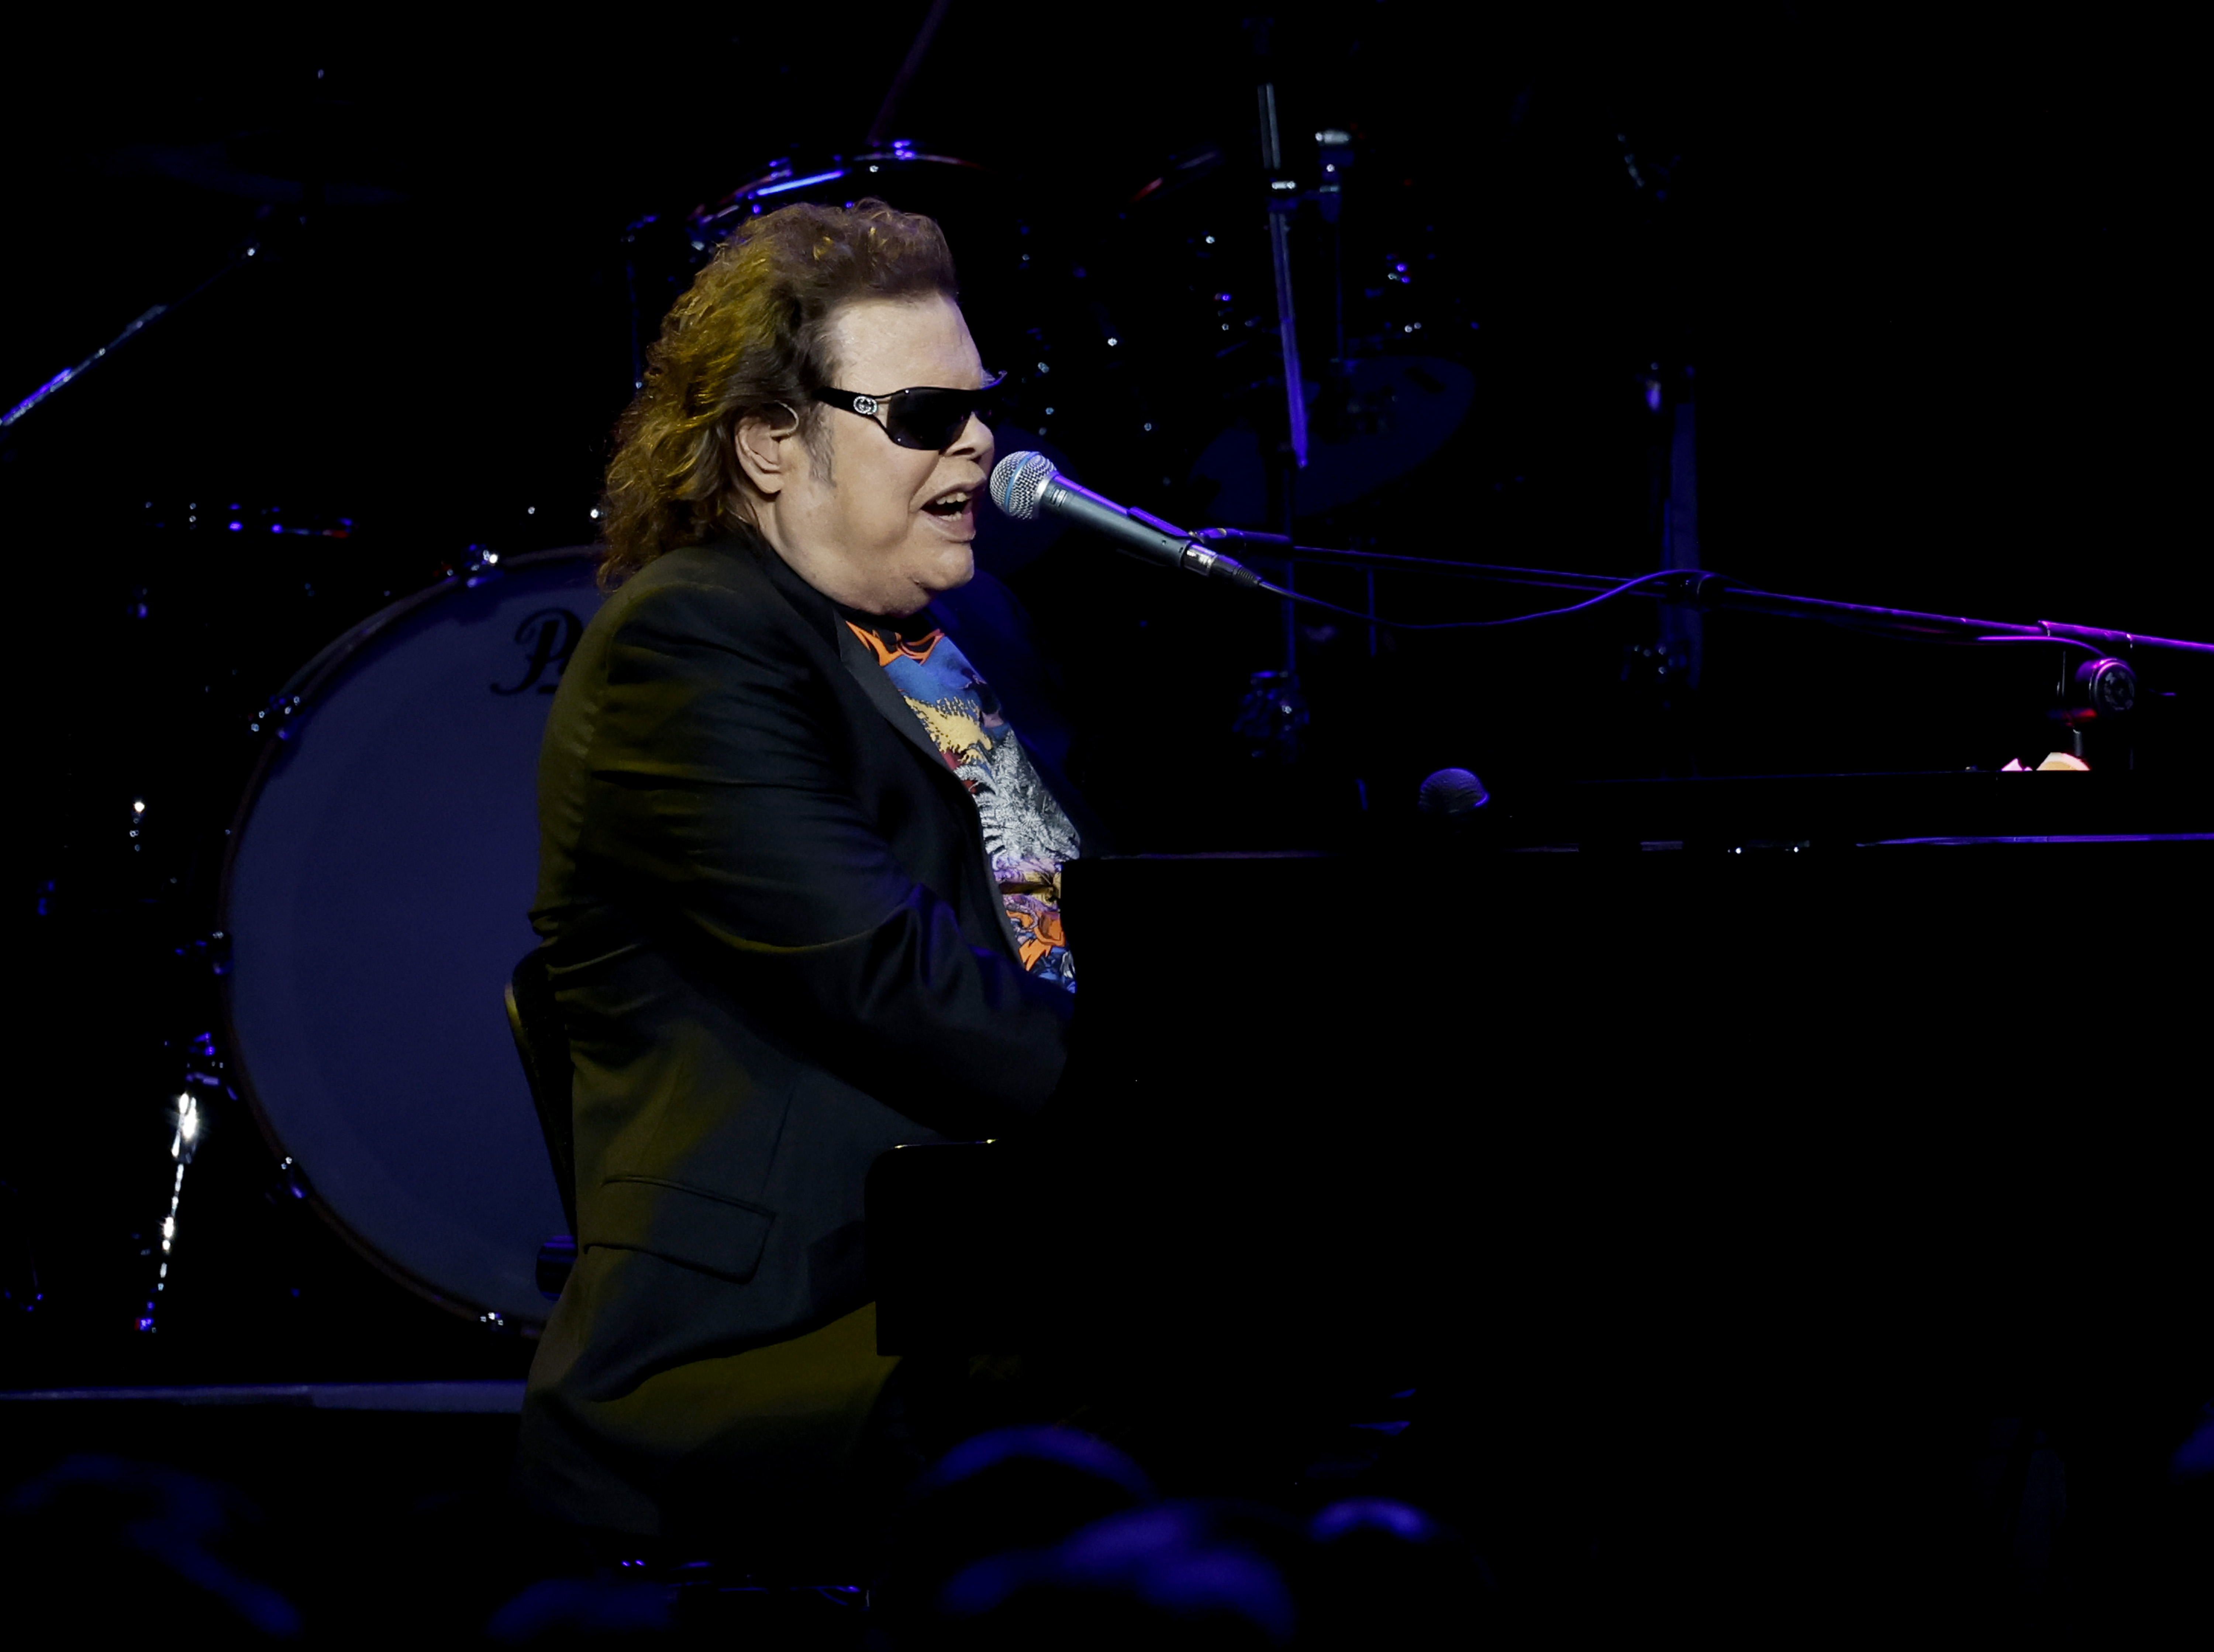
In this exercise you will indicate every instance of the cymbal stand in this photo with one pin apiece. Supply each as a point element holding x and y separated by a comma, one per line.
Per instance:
<point>137,328</point>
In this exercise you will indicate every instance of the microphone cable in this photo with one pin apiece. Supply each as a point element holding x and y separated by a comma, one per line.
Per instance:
<point>1622,589</point>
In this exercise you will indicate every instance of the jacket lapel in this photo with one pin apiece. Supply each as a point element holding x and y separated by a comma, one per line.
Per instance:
<point>816,610</point>
<point>877,683</point>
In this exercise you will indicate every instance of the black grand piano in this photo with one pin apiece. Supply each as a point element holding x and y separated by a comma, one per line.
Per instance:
<point>1816,1027</point>
<point>1755,1116</point>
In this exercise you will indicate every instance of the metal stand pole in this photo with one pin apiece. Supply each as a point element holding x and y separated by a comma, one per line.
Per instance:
<point>1283,199</point>
<point>137,328</point>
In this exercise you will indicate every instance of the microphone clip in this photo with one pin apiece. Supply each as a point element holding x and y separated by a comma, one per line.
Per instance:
<point>1243,536</point>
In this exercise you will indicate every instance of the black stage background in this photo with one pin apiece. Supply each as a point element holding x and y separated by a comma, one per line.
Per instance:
<point>1928,286</point>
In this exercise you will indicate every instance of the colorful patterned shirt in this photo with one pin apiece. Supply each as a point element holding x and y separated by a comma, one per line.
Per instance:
<point>1027,836</point>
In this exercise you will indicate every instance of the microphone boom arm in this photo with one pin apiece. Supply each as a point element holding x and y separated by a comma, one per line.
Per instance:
<point>1713,590</point>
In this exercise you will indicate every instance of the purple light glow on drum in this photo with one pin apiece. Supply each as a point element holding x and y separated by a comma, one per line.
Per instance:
<point>378,896</point>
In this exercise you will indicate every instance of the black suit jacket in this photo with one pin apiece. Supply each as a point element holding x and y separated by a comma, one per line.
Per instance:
<point>779,950</point>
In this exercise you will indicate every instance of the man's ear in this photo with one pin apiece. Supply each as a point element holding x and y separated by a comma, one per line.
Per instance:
<point>761,442</point>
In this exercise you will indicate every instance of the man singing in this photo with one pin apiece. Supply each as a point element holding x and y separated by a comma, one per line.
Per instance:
<point>799,880</point>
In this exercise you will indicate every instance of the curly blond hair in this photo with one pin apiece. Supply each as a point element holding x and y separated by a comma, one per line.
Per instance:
<point>750,334</point>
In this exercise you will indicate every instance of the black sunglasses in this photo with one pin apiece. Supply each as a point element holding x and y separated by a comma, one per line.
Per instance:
<point>924,417</point>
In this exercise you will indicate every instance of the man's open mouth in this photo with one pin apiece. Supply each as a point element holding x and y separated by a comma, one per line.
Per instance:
<point>950,504</point>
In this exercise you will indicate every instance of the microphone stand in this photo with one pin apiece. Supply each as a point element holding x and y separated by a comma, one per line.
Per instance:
<point>2103,687</point>
<point>1713,590</point>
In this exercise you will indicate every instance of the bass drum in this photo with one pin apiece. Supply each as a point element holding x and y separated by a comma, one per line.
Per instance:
<point>376,896</point>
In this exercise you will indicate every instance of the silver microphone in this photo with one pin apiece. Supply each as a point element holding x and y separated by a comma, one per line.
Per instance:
<point>1025,484</point>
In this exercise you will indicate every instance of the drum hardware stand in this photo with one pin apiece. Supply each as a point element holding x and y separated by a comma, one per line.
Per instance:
<point>880,128</point>
<point>314,194</point>
<point>630,291</point>
<point>20,1291</point>
<point>1273,714</point>
<point>1667,669</point>
<point>1287,458</point>
<point>1284,198</point>
<point>246,254</point>
<point>1276,699</point>
<point>188,1127</point>
<point>1272,717</point>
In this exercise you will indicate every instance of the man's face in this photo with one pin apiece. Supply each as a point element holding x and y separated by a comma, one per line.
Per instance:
<point>891,527</point>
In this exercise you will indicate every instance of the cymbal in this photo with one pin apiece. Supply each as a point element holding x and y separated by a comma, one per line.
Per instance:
<point>277,171</point>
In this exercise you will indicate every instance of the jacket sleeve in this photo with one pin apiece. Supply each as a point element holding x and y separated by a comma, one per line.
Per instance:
<point>717,797</point>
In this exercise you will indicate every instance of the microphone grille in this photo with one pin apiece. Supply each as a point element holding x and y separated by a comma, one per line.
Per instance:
<point>1453,793</point>
<point>1018,484</point>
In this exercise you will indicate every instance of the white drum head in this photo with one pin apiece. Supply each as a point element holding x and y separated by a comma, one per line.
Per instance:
<point>377,896</point>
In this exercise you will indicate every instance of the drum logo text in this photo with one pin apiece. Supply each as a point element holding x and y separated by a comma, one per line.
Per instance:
<point>549,637</point>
